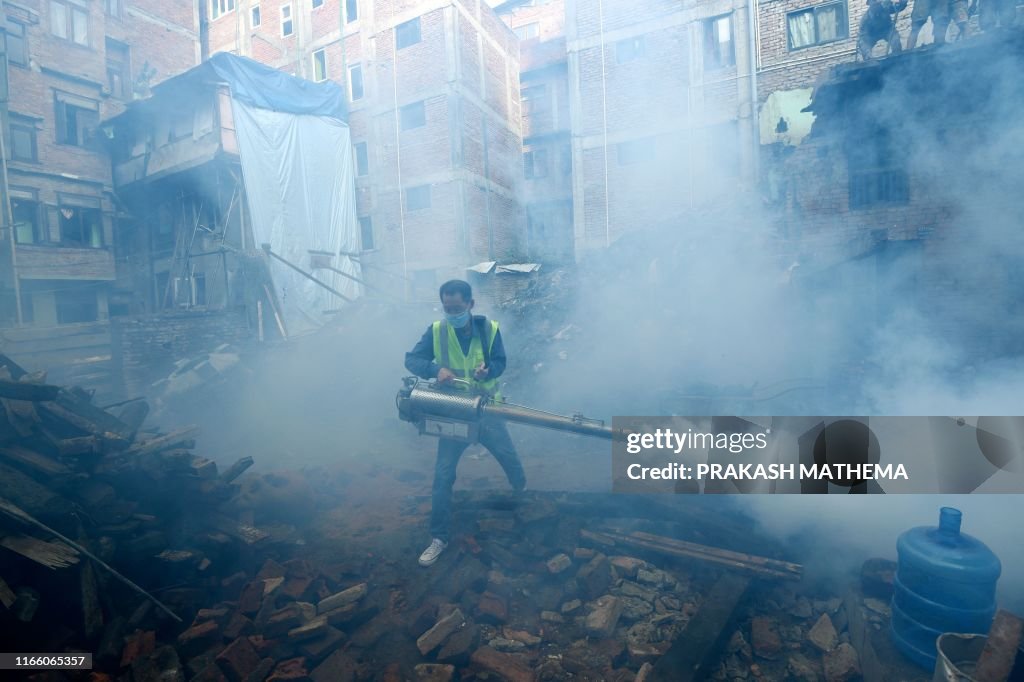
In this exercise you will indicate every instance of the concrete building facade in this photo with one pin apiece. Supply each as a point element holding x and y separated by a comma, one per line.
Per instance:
<point>547,150</point>
<point>435,117</point>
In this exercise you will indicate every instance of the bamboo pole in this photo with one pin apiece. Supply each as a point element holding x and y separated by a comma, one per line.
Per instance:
<point>745,562</point>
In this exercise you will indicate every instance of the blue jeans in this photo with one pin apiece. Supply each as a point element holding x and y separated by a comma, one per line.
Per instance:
<point>493,436</point>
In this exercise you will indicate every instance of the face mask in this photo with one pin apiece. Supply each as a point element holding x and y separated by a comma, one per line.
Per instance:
<point>458,321</point>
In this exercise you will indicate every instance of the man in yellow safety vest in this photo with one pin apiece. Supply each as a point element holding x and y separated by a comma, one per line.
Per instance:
<point>467,347</point>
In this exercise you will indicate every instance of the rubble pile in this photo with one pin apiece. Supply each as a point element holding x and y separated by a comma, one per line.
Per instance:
<point>79,481</point>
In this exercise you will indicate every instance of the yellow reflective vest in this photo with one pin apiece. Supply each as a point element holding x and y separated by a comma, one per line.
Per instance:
<point>448,353</point>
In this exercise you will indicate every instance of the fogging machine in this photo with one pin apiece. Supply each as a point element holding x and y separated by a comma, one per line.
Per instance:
<point>444,412</point>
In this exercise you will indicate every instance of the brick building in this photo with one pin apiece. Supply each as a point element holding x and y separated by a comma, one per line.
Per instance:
<point>547,149</point>
<point>434,116</point>
<point>914,210</point>
<point>660,105</point>
<point>69,64</point>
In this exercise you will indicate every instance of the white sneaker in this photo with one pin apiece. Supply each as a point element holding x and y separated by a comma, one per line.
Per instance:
<point>430,554</point>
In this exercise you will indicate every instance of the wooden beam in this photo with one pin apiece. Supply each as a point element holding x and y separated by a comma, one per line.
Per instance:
<point>18,390</point>
<point>693,649</point>
<point>53,555</point>
<point>747,563</point>
<point>40,464</point>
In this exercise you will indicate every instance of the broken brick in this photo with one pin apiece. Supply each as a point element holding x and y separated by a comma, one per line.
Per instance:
<point>199,637</point>
<point>291,670</point>
<point>238,660</point>
<point>251,598</point>
<point>339,667</point>
<point>138,644</point>
<point>343,598</point>
<point>283,620</point>
<point>505,666</point>
<point>442,629</point>
<point>315,649</point>
<point>238,626</point>
<point>492,607</point>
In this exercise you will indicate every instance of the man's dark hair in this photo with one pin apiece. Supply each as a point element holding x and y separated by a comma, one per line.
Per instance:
<point>456,286</point>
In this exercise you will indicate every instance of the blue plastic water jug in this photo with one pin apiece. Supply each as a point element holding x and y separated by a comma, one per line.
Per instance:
<point>945,582</point>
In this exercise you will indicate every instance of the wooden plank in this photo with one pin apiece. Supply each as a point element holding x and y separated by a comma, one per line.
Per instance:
<point>236,469</point>
<point>668,546</point>
<point>34,461</point>
<point>92,612</point>
<point>53,555</point>
<point>93,413</point>
<point>17,390</point>
<point>164,442</point>
<point>7,596</point>
<point>693,650</point>
<point>15,370</point>
<point>25,492</point>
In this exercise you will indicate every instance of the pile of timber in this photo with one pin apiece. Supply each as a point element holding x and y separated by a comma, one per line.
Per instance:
<point>97,512</point>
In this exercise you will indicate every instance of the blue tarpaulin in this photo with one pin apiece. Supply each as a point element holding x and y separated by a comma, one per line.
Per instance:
<point>264,87</point>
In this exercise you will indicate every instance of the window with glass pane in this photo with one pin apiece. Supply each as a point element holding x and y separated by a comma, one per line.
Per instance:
<point>351,10</point>
<point>718,43</point>
<point>17,47</point>
<point>319,65</point>
<point>816,25</point>
<point>355,82</point>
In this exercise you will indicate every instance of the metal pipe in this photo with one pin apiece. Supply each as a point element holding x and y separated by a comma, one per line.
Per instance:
<point>266,247</point>
<point>531,417</point>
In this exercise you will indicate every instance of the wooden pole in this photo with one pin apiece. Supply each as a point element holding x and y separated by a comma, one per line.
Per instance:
<point>9,219</point>
<point>277,315</point>
<point>259,320</point>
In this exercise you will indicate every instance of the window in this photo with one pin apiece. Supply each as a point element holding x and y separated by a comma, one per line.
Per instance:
<point>719,50</point>
<point>287,26</point>
<point>351,11</point>
<point>199,289</point>
<point>27,225</point>
<point>355,82</point>
<point>629,49</point>
<point>320,66</point>
<point>23,141</point>
<point>566,161</point>
<point>69,20</point>
<point>635,151</point>
<point>535,163</point>
<point>417,198</point>
<point>112,8</point>
<point>816,25</point>
<point>878,187</point>
<point>407,34</point>
<point>877,177</point>
<point>413,116</point>
<point>77,118</point>
<point>219,8</point>
<point>81,226</point>
<point>362,159</point>
<point>534,98</point>
<point>528,31</point>
<point>318,3</point>
<point>255,16</point>
<point>17,45</point>
<point>366,233</point>
<point>77,304</point>
<point>118,70</point>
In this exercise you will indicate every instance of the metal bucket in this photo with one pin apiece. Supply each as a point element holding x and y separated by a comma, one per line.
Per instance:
<point>957,656</point>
